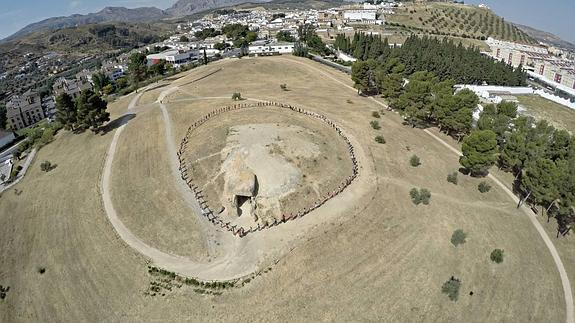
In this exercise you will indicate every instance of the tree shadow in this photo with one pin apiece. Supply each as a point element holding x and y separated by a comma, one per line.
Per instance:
<point>117,123</point>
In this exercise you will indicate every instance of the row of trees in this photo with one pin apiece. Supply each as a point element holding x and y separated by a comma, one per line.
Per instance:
<point>423,101</point>
<point>88,111</point>
<point>442,57</point>
<point>541,157</point>
<point>308,36</point>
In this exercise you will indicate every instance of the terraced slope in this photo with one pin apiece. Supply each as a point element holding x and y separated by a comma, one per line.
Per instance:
<point>458,21</point>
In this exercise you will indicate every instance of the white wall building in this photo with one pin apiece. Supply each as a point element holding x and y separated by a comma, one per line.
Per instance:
<point>271,48</point>
<point>171,56</point>
<point>359,14</point>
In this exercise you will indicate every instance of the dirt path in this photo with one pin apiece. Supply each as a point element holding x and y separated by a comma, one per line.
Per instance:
<point>239,256</point>
<point>532,217</point>
<point>568,294</point>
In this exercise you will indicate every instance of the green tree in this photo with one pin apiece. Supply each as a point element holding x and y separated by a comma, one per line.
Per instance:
<point>479,151</point>
<point>458,237</point>
<point>414,161</point>
<point>66,112</point>
<point>137,68</point>
<point>540,181</point>
<point>496,256</point>
<point>3,117</point>
<point>451,288</point>
<point>184,39</point>
<point>122,82</point>
<point>100,80</point>
<point>285,36</point>
<point>390,78</point>
<point>300,50</point>
<point>159,68</point>
<point>417,97</point>
<point>92,112</point>
<point>454,113</point>
<point>221,46</point>
<point>363,75</point>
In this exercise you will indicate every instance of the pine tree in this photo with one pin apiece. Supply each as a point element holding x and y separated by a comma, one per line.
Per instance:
<point>479,151</point>
<point>66,112</point>
<point>92,112</point>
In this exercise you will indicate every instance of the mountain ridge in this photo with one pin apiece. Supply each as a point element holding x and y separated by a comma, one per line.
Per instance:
<point>108,14</point>
<point>546,37</point>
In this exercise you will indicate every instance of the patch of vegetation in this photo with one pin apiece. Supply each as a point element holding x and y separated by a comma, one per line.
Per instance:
<point>89,111</point>
<point>421,196</point>
<point>237,96</point>
<point>47,166</point>
<point>414,161</point>
<point>451,288</point>
<point>452,178</point>
<point>375,124</point>
<point>458,237</point>
<point>380,139</point>
<point>483,187</point>
<point>497,256</point>
<point>4,291</point>
<point>479,150</point>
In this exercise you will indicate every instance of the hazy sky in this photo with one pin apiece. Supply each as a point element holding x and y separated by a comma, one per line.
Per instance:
<point>556,16</point>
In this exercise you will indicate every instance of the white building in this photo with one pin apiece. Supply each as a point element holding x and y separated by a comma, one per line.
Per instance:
<point>172,56</point>
<point>359,14</point>
<point>271,48</point>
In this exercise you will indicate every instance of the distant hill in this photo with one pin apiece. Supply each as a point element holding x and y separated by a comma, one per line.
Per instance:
<point>108,14</point>
<point>188,7</point>
<point>546,37</point>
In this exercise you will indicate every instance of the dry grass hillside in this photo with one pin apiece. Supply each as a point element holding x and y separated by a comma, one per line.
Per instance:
<point>384,260</point>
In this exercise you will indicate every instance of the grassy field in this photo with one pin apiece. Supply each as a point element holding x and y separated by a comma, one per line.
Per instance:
<point>457,20</point>
<point>386,261</point>
<point>540,108</point>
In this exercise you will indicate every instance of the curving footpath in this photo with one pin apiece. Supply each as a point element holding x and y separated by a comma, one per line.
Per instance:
<point>238,229</point>
<point>568,294</point>
<point>240,257</point>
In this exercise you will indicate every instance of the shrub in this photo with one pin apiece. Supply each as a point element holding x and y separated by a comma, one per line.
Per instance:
<point>380,139</point>
<point>424,196</point>
<point>497,256</point>
<point>458,237</point>
<point>483,187</point>
<point>375,114</point>
<point>452,178</point>
<point>41,270</point>
<point>284,87</point>
<point>414,161</point>
<point>414,194</point>
<point>237,96</point>
<point>375,125</point>
<point>47,166</point>
<point>451,288</point>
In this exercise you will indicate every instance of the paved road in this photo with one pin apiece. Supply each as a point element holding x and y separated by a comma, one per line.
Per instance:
<point>11,149</point>
<point>21,174</point>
